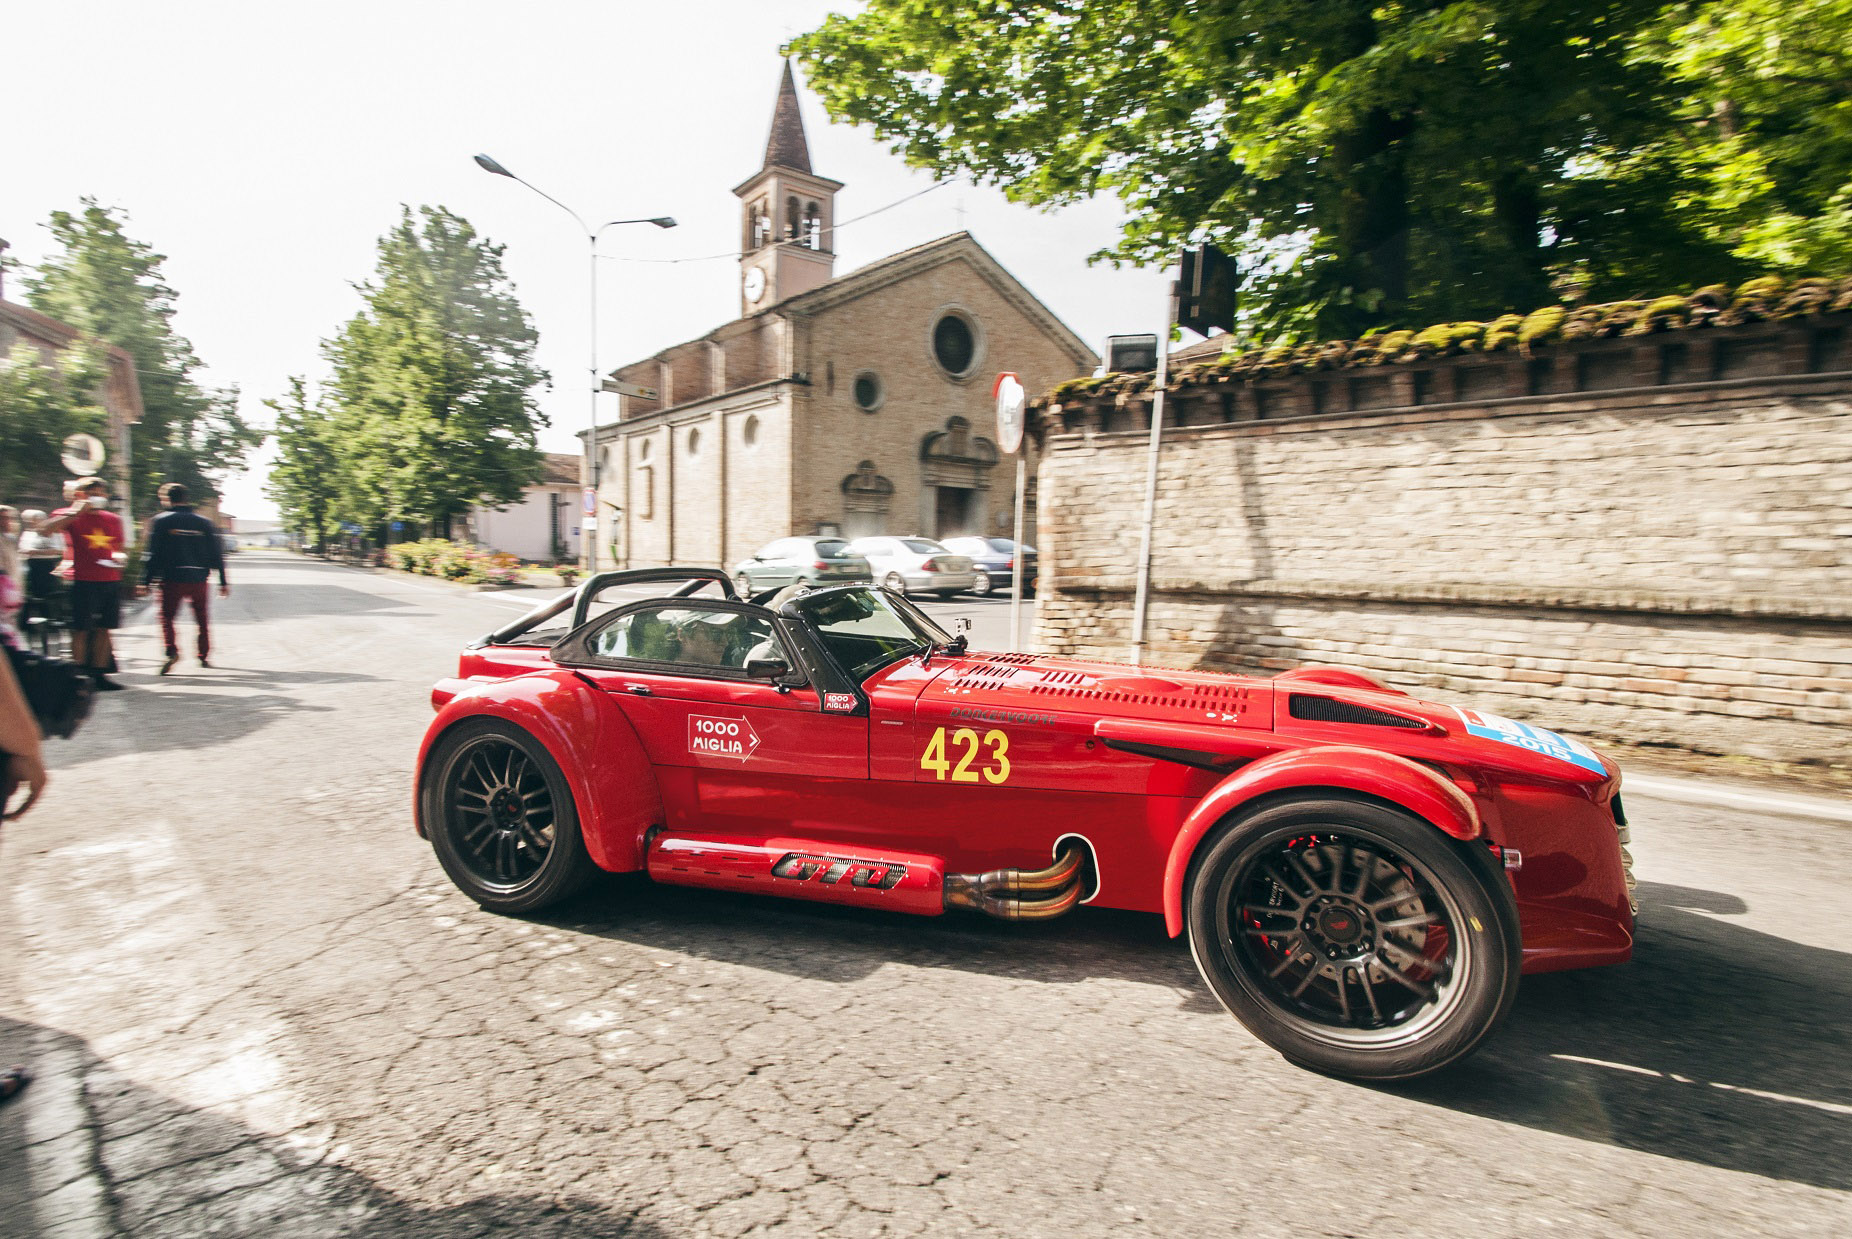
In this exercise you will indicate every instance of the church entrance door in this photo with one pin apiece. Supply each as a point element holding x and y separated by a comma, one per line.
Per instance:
<point>952,514</point>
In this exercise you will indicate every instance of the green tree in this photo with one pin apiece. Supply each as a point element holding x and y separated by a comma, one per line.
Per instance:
<point>432,385</point>
<point>1369,162</point>
<point>41,402</point>
<point>1763,147</point>
<point>305,481</point>
<point>109,286</point>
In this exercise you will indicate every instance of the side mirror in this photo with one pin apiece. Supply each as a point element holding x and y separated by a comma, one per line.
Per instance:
<point>768,668</point>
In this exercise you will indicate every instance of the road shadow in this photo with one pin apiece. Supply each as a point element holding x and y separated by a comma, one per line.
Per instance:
<point>152,1167</point>
<point>839,944</point>
<point>304,598</point>
<point>173,719</point>
<point>1718,1044</point>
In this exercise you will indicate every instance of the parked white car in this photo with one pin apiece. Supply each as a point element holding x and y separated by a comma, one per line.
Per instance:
<point>915,565</point>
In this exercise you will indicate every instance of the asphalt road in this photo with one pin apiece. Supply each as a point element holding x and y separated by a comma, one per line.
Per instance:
<point>258,1008</point>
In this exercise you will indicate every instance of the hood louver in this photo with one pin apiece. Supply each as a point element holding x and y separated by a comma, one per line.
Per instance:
<point>1331,710</point>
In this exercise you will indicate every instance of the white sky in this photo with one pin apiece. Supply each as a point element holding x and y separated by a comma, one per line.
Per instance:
<point>264,149</point>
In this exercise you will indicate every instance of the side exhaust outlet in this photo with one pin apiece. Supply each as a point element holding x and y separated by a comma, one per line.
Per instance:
<point>1022,894</point>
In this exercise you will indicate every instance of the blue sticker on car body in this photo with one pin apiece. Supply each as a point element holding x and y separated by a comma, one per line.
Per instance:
<point>1536,739</point>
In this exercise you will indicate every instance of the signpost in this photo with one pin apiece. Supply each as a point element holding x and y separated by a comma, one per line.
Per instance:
<point>1203,296</point>
<point>1011,398</point>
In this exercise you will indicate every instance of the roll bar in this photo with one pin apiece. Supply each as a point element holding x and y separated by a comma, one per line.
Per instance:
<point>580,599</point>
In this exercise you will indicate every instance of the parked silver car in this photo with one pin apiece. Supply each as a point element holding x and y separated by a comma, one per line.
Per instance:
<point>916,565</point>
<point>791,561</point>
<point>995,561</point>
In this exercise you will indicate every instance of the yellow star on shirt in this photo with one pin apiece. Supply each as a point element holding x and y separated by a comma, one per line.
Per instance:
<point>99,539</point>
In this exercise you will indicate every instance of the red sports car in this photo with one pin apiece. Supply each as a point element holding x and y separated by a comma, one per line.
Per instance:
<point>1362,875</point>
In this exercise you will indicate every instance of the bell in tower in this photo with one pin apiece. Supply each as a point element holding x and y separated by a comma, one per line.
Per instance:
<point>787,212</point>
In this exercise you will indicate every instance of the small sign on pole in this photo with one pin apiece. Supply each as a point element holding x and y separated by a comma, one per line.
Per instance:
<point>1011,400</point>
<point>634,390</point>
<point>591,502</point>
<point>82,454</point>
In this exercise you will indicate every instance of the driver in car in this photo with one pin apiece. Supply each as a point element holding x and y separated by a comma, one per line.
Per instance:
<point>711,642</point>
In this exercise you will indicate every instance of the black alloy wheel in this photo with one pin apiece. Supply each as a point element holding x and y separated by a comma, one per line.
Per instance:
<point>983,587</point>
<point>1354,938</point>
<point>502,819</point>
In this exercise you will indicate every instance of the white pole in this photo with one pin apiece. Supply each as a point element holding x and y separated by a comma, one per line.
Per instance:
<point>588,521</point>
<point>1142,598</point>
<point>1022,473</point>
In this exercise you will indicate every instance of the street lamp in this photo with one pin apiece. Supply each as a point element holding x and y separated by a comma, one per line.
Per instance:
<point>589,548</point>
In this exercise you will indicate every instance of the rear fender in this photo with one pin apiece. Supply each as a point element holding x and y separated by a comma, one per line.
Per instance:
<point>613,784</point>
<point>1384,776</point>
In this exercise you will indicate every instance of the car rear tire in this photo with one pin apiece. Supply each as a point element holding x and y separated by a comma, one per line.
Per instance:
<point>1354,938</point>
<point>502,819</point>
<point>982,586</point>
<point>897,583</point>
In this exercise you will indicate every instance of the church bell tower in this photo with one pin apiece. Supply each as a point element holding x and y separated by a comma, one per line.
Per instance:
<point>787,214</point>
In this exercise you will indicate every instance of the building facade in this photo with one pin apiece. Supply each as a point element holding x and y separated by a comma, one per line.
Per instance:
<point>120,398</point>
<point>854,405</point>
<point>543,525</point>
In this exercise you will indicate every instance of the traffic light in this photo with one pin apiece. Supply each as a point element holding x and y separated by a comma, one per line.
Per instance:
<point>1207,280</point>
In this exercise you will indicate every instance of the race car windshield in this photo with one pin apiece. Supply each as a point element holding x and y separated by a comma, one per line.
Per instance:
<point>866,629</point>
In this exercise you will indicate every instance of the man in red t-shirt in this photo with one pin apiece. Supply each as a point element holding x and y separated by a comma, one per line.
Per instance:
<point>95,542</point>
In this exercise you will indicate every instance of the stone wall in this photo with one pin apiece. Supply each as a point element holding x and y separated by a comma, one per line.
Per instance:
<point>1666,562</point>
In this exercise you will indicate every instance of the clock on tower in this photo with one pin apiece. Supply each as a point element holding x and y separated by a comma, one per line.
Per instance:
<point>753,285</point>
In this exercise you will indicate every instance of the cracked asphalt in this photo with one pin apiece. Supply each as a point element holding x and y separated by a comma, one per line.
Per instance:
<point>256,1007</point>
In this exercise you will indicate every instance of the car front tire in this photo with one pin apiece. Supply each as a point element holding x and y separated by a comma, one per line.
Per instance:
<point>981,587</point>
<point>896,582</point>
<point>1353,938</point>
<point>502,819</point>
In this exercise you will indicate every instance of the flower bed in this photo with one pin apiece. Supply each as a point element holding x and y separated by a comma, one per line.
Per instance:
<point>455,561</point>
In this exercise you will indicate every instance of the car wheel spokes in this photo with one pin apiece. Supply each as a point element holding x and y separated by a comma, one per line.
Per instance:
<point>1343,933</point>
<point>499,812</point>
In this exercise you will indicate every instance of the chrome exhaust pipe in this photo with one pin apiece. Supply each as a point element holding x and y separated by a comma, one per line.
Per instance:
<point>1000,892</point>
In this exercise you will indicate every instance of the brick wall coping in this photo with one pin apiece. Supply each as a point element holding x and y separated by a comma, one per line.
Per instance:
<point>1640,602</point>
<point>1714,391</point>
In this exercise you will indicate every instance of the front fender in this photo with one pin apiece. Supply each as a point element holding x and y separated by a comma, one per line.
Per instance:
<point>612,782</point>
<point>1412,786</point>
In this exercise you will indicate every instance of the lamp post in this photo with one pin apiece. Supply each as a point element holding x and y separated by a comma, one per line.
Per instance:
<point>588,549</point>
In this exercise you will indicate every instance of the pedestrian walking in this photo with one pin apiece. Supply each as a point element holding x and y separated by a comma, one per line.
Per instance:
<point>183,552</point>
<point>96,555</point>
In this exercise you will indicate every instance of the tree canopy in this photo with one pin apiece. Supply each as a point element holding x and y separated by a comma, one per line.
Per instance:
<point>429,407</point>
<point>1380,163</point>
<point>109,286</point>
<point>305,480</point>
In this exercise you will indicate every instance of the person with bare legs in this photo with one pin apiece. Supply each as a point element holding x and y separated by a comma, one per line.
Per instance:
<point>96,554</point>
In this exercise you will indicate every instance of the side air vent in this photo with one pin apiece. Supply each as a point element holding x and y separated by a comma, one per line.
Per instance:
<point>1330,710</point>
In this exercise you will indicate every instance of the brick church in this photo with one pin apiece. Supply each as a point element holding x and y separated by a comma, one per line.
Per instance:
<point>847,404</point>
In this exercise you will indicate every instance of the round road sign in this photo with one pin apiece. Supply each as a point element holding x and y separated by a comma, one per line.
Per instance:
<point>82,454</point>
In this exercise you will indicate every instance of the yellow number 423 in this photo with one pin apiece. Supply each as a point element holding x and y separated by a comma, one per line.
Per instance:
<point>997,763</point>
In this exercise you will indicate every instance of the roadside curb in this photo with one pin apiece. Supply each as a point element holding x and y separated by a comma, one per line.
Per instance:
<point>1737,796</point>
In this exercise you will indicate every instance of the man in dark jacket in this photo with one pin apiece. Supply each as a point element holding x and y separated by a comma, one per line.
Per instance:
<point>183,552</point>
